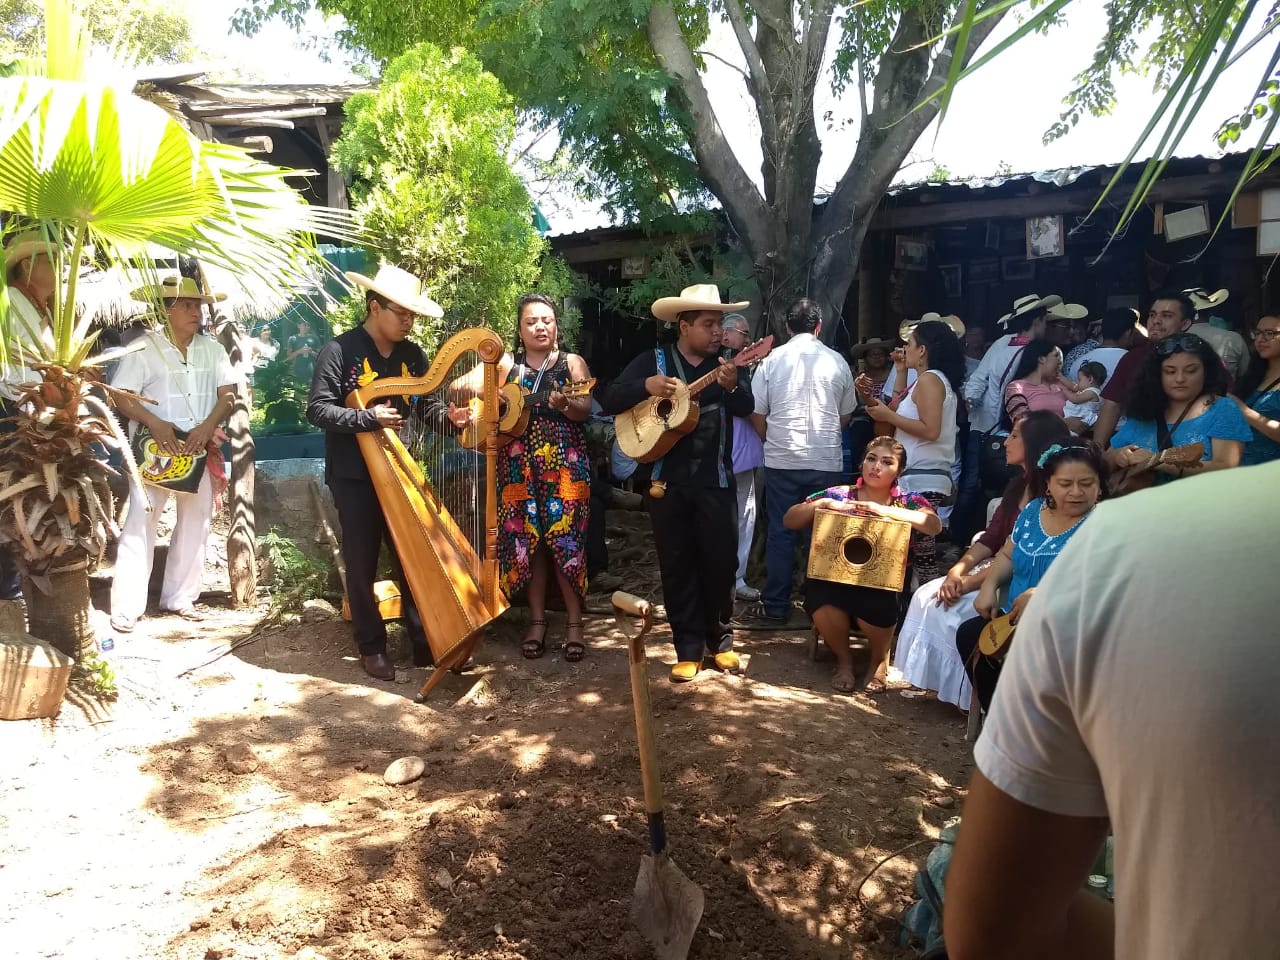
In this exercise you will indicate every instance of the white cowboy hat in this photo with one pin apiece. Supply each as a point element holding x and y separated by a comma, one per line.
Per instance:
<point>951,320</point>
<point>875,343</point>
<point>20,246</point>
<point>1029,304</point>
<point>701,296</point>
<point>400,287</point>
<point>1069,311</point>
<point>1202,299</point>
<point>175,288</point>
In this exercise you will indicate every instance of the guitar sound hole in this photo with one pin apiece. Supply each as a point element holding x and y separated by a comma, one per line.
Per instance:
<point>858,550</point>
<point>664,408</point>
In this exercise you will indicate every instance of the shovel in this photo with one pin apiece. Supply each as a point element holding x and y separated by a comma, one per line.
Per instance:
<point>667,905</point>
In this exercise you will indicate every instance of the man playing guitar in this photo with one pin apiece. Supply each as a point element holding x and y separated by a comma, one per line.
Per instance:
<point>695,511</point>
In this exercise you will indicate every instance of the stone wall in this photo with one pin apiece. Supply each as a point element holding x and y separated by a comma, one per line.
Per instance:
<point>283,502</point>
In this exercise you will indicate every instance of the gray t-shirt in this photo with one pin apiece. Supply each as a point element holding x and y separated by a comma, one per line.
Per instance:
<point>1144,685</point>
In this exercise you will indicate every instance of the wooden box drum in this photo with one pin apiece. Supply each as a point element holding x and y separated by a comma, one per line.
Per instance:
<point>861,551</point>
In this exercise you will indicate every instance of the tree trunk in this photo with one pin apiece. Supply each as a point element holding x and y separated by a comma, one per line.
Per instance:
<point>61,616</point>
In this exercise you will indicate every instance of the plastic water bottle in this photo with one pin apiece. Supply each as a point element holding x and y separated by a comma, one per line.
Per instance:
<point>107,644</point>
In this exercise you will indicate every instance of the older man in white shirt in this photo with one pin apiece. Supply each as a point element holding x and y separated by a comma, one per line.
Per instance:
<point>804,398</point>
<point>192,381</point>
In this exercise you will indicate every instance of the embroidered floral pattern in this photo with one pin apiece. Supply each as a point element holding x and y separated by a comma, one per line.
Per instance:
<point>544,479</point>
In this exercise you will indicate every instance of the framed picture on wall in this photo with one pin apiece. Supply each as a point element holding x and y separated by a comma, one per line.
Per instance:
<point>951,279</point>
<point>635,268</point>
<point>1045,237</point>
<point>1016,268</point>
<point>984,271</point>
<point>911,254</point>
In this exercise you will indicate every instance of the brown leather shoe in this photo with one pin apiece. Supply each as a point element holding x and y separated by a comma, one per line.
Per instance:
<point>378,666</point>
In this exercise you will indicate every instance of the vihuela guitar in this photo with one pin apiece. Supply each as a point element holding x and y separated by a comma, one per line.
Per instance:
<point>519,404</point>
<point>651,428</point>
<point>1140,476</point>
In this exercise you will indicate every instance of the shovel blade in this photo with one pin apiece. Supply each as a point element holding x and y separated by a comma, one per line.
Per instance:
<point>666,907</point>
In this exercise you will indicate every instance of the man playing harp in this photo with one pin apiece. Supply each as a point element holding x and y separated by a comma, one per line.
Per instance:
<point>380,347</point>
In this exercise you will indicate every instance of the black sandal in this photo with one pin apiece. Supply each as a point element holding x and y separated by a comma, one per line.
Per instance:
<point>531,648</point>
<point>574,650</point>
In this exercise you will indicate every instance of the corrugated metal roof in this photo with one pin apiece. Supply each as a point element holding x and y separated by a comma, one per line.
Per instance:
<point>1062,177</point>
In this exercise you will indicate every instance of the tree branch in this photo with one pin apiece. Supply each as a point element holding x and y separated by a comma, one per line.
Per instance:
<point>761,91</point>
<point>716,160</point>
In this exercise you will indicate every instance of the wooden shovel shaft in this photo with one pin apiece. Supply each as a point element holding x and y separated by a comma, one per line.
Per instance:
<point>649,766</point>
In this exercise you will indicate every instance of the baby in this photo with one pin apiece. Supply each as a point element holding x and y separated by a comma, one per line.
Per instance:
<point>1081,412</point>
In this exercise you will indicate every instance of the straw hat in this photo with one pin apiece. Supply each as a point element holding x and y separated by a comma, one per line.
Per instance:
<point>175,288</point>
<point>1202,299</point>
<point>951,320</point>
<point>701,296</point>
<point>1030,304</point>
<point>1068,311</point>
<point>876,343</point>
<point>20,246</point>
<point>400,287</point>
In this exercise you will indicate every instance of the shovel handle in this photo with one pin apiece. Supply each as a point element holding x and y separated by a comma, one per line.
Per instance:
<point>649,765</point>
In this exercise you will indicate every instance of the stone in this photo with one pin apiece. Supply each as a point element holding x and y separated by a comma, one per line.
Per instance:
<point>33,677</point>
<point>240,758</point>
<point>318,611</point>
<point>398,932</point>
<point>405,770</point>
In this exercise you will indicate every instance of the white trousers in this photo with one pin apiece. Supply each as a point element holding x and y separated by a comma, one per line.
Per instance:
<point>136,551</point>
<point>746,482</point>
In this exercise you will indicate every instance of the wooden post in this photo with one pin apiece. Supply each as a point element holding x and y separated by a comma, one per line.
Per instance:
<point>242,540</point>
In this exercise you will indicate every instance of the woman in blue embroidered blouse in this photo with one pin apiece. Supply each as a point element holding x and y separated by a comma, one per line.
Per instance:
<point>1179,397</point>
<point>835,607</point>
<point>1259,393</point>
<point>1067,482</point>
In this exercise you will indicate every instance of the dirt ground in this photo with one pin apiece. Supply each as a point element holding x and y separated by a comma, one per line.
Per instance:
<point>238,809</point>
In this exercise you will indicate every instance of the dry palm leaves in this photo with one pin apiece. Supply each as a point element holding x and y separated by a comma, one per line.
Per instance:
<point>55,504</point>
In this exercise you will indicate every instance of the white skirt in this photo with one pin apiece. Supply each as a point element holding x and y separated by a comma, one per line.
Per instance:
<point>926,653</point>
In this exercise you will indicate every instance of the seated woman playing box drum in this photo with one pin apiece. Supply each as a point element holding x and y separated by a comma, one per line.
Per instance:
<point>836,607</point>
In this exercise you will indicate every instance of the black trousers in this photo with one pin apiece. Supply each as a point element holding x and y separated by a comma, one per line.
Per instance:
<point>597,547</point>
<point>363,530</point>
<point>695,531</point>
<point>984,671</point>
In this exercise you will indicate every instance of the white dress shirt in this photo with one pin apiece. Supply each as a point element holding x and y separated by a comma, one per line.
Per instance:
<point>803,389</point>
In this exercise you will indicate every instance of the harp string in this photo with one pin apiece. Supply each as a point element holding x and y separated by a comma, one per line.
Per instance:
<point>454,476</point>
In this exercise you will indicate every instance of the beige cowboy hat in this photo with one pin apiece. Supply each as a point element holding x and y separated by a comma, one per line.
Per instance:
<point>1202,299</point>
<point>400,287</point>
<point>29,243</point>
<point>175,288</point>
<point>701,296</point>
<point>950,319</point>
<point>1030,304</point>
<point>1069,311</point>
<point>875,343</point>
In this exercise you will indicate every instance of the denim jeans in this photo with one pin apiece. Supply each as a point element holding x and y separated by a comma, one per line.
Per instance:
<point>783,489</point>
<point>967,518</point>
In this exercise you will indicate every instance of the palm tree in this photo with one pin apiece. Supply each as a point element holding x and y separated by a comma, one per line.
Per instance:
<point>96,169</point>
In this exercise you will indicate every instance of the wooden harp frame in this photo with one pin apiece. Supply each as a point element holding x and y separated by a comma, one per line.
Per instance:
<point>435,555</point>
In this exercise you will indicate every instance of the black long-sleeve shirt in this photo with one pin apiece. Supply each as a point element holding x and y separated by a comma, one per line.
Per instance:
<point>348,361</point>
<point>703,458</point>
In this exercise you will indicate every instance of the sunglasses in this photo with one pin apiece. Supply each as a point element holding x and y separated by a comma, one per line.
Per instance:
<point>1265,336</point>
<point>1180,343</point>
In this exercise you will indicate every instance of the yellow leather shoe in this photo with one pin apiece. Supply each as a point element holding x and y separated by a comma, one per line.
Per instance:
<point>729,662</point>
<point>684,671</point>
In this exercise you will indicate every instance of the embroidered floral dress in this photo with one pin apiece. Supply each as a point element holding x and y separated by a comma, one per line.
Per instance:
<point>544,486</point>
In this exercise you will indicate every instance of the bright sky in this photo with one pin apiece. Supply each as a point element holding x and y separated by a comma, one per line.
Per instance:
<point>997,115</point>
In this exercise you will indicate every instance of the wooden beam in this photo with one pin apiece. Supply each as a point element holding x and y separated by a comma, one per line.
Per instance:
<point>257,122</point>
<point>261,110</point>
<point>1069,200</point>
<point>252,144</point>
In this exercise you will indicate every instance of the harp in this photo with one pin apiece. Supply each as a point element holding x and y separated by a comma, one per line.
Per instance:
<point>440,499</point>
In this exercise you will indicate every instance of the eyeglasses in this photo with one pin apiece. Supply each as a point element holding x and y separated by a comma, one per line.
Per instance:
<point>1264,336</point>
<point>1179,343</point>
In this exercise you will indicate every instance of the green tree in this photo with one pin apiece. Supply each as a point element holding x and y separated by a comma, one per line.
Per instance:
<point>147,28</point>
<point>433,189</point>
<point>623,83</point>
